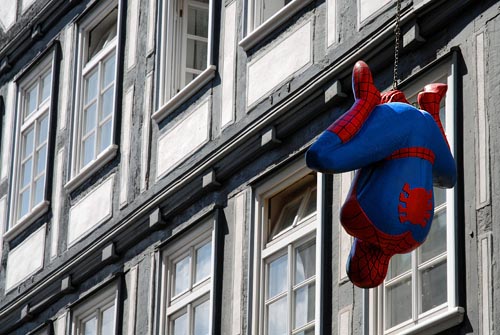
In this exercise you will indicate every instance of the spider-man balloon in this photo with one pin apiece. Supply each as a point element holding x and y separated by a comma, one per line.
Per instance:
<point>400,152</point>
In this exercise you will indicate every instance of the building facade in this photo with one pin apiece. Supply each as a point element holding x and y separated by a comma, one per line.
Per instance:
<point>153,181</point>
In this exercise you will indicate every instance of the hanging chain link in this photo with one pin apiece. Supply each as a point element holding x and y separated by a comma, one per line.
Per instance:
<point>397,32</point>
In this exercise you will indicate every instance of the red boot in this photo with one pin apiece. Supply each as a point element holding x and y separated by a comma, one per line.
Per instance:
<point>367,264</point>
<point>367,97</point>
<point>430,101</point>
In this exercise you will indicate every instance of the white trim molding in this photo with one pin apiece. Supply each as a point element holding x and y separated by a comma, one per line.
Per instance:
<point>482,133</point>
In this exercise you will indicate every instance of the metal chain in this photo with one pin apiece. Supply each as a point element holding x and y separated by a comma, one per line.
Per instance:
<point>397,32</point>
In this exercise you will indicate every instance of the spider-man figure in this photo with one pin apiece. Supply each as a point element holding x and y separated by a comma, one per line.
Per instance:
<point>400,152</point>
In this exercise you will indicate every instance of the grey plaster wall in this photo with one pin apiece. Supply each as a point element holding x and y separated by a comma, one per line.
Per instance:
<point>296,126</point>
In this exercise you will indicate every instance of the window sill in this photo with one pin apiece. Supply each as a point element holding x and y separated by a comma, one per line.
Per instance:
<point>439,323</point>
<point>275,21</point>
<point>184,94</point>
<point>26,220</point>
<point>105,157</point>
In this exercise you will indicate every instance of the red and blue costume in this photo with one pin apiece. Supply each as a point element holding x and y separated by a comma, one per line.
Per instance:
<point>400,153</point>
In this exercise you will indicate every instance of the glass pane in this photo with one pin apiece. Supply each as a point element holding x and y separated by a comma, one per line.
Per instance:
<point>180,325</point>
<point>40,164</point>
<point>46,83</point>
<point>277,317</point>
<point>304,305</point>
<point>278,276</point>
<point>197,21</point>
<point>442,114</point>
<point>91,87</point>
<point>305,263</point>
<point>311,204</point>
<point>102,34</point>
<point>435,244</point>
<point>39,190</point>
<point>271,7</point>
<point>28,143</point>
<point>32,100</point>
<point>287,216</point>
<point>109,71</point>
<point>88,150</point>
<point>25,203</point>
<point>105,136</point>
<point>90,327</point>
<point>89,118</point>
<point>439,196</point>
<point>203,262</point>
<point>43,129</point>
<point>196,54</point>
<point>434,290</point>
<point>107,103</point>
<point>108,321</point>
<point>26,173</point>
<point>399,264</point>
<point>201,318</point>
<point>398,303</point>
<point>181,275</point>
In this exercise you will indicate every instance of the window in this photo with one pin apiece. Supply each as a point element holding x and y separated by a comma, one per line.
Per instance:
<point>264,16</point>
<point>187,285</point>
<point>186,54</point>
<point>97,316</point>
<point>95,110</point>
<point>286,271</point>
<point>29,193</point>
<point>420,288</point>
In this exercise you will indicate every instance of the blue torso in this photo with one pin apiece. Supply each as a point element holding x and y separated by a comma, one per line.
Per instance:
<point>380,185</point>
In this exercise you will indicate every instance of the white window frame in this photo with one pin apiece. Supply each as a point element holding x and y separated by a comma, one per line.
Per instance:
<point>345,240</point>
<point>172,93</point>
<point>257,29</point>
<point>44,109</point>
<point>99,301</point>
<point>80,173</point>
<point>197,293</point>
<point>450,313</point>
<point>308,230</point>
<point>2,130</point>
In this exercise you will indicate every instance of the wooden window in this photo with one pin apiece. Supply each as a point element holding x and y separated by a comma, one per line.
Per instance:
<point>421,287</point>
<point>286,278</point>
<point>188,283</point>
